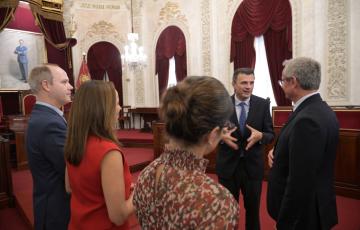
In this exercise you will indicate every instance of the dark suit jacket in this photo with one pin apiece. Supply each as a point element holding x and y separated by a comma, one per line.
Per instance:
<point>300,189</point>
<point>45,141</point>
<point>259,118</point>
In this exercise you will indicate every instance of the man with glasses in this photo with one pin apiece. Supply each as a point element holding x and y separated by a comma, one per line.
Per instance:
<point>243,168</point>
<point>300,189</point>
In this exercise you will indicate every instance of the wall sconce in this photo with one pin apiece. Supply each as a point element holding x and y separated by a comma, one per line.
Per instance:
<point>73,26</point>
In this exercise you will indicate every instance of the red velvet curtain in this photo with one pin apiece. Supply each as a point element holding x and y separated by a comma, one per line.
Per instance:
<point>271,18</point>
<point>244,52</point>
<point>7,9</point>
<point>104,57</point>
<point>171,43</point>
<point>274,40</point>
<point>57,45</point>
<point>23,19</point>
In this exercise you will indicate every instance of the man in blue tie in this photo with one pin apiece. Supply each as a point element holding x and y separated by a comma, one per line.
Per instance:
<point>21,52</point>
<point>242,168</point>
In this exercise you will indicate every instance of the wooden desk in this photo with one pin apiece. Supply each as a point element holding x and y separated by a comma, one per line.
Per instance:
<point>6,189</point>
<point>147,114</point>
<point>19,124</point>
<point>347,163</point>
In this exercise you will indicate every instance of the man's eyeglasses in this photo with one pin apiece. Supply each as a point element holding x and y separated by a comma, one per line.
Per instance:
<point>281,82</point>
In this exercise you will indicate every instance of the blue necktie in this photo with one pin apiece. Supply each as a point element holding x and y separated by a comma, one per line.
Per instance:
<point>242,117</point>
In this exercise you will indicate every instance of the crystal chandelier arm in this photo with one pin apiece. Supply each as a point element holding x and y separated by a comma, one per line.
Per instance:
<point>134,56</point>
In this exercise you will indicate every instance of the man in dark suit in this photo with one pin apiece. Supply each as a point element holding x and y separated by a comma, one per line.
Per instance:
<point>300,189</point>
<point>243,168</point>
<point>45,141</point>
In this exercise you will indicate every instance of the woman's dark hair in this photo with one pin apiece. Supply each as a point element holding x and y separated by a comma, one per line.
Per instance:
<point>92,113</point>
<point>194,107</point>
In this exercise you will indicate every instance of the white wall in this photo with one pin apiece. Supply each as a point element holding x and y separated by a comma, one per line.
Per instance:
<point>354,18</point>
<point>206,25</point>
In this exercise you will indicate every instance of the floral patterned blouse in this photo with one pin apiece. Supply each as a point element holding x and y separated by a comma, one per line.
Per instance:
<point>185,197</point>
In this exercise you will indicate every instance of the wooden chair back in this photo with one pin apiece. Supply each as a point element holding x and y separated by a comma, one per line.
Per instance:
<point>125,116</point>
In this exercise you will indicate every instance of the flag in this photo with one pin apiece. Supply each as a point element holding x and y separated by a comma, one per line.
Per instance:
<point>84,74</point>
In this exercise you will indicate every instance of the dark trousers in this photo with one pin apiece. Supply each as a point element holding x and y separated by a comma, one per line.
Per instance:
<point>24,71</point>
<point>251,191</point>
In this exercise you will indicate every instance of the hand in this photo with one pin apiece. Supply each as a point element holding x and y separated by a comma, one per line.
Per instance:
<point>130,203</point>
<point>254,137</point>
<point>271,158</point>
<point>132,186</point>
<point>228,139</point>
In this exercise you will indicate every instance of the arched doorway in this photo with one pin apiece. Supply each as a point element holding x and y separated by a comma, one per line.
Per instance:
<point>171,43</point>
<point>255,18</point>
<point>103,59</point>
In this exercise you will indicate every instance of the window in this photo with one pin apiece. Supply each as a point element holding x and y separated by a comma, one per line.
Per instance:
<point>172,74</point>
<point>263,87</point>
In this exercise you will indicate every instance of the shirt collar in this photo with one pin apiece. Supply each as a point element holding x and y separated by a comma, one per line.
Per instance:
<point>57,110</point>
<point>237,101</point>
<point>301,100</point>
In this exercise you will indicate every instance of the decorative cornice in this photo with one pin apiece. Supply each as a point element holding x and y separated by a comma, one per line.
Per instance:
<point>337,50</point>
<point>206,47</point>
<point>139,73</point>
<point>230,5</point>
<point>69,24</point>
<point>296,27</point>
<point>103,29</point>
<point>9,3</point>
<point>139,84</point>
<point>171,12</point>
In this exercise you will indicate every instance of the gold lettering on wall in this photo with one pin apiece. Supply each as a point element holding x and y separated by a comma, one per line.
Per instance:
<point>94,6</point>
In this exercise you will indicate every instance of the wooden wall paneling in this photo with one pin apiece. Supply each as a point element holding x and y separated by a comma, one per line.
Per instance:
<point>6,189</point>
<point>347,163</point>
<point>18,124</point>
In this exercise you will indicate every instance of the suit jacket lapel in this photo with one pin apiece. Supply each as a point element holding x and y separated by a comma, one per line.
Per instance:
<point>252,113</point>
<point>308,101</point>
<point>233,117</point>
<point>49,110</point>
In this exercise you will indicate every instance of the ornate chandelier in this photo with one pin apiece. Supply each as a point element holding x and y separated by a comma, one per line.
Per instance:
<point>134,56</point>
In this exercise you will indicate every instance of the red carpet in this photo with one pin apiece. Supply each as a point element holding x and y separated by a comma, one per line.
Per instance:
<point>10,219</point>
<point>138,156</point>
<point>135,156</point>
<point>348,209</point>
<point>134,136</point>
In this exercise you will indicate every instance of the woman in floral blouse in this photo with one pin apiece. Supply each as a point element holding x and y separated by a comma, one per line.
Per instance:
<point>174,192</point>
